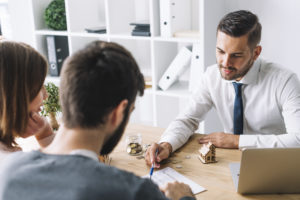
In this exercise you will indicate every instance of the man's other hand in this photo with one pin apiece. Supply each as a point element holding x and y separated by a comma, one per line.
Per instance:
<point>221,140</point>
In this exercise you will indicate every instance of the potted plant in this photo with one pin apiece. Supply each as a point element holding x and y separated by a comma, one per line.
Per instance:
<point>51,104</point>
<point>55,15</point>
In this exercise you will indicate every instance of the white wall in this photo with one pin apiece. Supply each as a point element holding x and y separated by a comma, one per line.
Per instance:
<point>5,20</point>
<point>21,20</point>
<point>280,29</point>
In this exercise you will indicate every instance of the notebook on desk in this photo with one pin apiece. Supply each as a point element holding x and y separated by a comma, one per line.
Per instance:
<point>267,171</point>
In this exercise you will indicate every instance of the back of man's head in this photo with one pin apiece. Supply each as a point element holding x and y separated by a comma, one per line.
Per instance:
<point>94,81</point>
<point>239,23</point>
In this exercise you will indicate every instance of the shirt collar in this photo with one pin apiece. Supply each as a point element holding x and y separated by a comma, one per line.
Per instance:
<point>251,76</point>
<point>85,152</point>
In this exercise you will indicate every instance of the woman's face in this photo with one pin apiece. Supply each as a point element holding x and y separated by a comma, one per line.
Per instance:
<point>37,102</point>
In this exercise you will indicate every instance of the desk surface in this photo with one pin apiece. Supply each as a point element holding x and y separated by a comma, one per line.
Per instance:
<point>215,177</point>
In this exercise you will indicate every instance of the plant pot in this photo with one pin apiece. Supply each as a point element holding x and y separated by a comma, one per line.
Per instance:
<point>53,121</point>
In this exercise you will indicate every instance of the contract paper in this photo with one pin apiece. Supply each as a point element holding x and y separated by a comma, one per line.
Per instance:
<point>167,175</point>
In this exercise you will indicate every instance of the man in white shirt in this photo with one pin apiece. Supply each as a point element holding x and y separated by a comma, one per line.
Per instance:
<point>257,101</point>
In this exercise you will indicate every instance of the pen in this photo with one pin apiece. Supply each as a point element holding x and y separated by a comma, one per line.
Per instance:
<point>152,167</point>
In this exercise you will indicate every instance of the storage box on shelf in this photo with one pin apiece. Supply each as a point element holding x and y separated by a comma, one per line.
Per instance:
<point>153,54</point>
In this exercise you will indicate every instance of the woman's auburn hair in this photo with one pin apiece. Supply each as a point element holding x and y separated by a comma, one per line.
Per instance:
<point>22,74</point>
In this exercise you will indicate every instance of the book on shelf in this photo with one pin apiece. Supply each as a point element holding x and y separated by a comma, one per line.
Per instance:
<point>148,81</point>
<point>58,50</point>
<point>176,68</point>
<point>140,23</point>
<point>134,33</point>
<point>141,28</point>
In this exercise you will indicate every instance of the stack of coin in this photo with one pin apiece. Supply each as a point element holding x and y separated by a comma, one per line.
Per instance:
<point>134,148</point>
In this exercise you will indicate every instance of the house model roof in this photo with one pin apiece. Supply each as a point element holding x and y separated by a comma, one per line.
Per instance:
<point>205,148</point>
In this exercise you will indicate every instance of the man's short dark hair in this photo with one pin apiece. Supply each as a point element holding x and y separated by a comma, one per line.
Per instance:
<point>239,23</point>
<point>95,80</point>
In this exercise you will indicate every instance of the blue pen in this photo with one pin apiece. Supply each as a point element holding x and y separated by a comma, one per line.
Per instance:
<point>152,167</point>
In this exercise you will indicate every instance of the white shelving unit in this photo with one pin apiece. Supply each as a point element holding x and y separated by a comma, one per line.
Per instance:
<point>153,54</point>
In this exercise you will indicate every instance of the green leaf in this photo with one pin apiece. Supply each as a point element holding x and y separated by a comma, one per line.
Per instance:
<point>51,104</point>
<point>55,15</point>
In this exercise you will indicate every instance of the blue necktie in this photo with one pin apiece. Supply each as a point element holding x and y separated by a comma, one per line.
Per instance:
<point>238,109</point>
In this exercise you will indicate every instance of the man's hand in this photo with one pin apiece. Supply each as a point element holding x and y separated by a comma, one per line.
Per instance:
<point>164,151</point>
<point>222,140</point>
<point>177,190</point>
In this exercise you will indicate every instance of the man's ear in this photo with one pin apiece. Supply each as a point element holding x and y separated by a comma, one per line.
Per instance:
<point>257,51</point>
<point>117,114</point>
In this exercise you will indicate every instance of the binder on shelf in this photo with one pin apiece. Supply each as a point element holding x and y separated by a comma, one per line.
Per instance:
<point>175,15</point>
<point>196,66</point>
<point>58,50</point>
<point>175,69</point>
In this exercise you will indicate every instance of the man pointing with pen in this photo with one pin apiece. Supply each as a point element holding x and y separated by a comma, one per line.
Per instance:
<point>257,101</point>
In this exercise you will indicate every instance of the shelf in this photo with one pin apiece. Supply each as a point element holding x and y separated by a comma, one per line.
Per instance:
<point>153,54</point>
<point>179,89</point>
<point>51,32</point>
<point>129,37</point>
<point>56,81</point>
<point>149,91</point>
<point>85,34</point>
<point>176,39</point>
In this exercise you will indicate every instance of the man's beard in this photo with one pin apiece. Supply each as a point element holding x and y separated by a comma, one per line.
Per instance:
<point>116,136</point>
<point>239,74</point>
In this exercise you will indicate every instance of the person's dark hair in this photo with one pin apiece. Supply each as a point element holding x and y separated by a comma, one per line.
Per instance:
<point>239,23</point>
<point>22,74</point>
<point>95,80</point>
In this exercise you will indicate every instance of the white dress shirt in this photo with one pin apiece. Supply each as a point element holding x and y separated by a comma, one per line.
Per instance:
<point>271,101</point>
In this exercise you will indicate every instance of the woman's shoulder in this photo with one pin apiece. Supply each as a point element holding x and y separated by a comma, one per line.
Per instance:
<point>5,150</point>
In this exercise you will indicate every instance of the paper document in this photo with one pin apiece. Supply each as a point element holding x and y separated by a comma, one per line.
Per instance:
<point>167,175</point>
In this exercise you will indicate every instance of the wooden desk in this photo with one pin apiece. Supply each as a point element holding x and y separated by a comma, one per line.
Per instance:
<point>216,177</point>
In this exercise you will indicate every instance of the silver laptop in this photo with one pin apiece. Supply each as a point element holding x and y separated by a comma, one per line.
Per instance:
<point>267,171</point>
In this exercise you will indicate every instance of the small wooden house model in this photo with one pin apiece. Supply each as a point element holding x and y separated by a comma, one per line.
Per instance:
<point>207,153</point>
